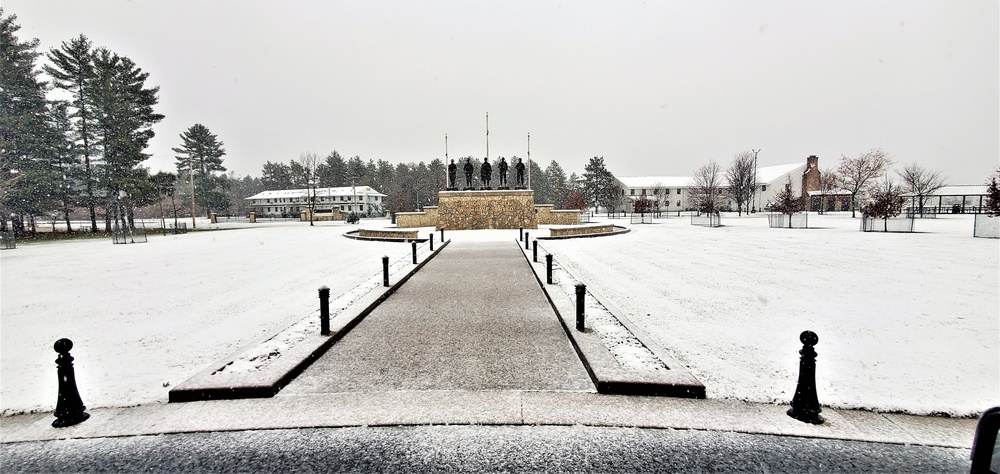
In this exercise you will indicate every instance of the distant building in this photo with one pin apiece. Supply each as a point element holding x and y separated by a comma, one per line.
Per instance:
<point>673,193</point>
<point>292,202</point>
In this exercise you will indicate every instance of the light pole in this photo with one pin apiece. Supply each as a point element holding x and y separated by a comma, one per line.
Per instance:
<point>754,181</point>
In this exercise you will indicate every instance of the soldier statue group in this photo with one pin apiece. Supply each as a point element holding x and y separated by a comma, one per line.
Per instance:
<point>486,174</point>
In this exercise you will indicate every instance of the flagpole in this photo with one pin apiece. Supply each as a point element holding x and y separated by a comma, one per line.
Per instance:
<point>487,135</point>
<point>446,183</point>
<point>529,160</point>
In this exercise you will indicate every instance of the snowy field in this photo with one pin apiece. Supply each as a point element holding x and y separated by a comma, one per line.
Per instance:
<point>907,322</point>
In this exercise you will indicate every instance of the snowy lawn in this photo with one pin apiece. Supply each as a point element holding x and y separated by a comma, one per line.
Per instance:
<point>906,322</point>
<point>145,317</point>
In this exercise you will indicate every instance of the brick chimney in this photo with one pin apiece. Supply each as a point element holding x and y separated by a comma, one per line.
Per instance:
<point>810,178</point>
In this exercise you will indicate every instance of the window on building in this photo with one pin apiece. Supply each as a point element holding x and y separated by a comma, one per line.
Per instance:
<point>763,187</point>
<point>788,187</point>
<point>643,191</point>
<point>678,192</point>
<point>631,192</point>
<point>678,203</point>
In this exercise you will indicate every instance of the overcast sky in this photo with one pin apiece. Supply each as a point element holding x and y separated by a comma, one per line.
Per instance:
<point>657,88</point>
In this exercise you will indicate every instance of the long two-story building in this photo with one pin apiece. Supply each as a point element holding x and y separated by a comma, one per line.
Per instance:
<point>292,202</point>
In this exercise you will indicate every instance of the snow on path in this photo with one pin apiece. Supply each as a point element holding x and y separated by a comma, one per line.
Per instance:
<point>145,317</point>
<point>907,322</point>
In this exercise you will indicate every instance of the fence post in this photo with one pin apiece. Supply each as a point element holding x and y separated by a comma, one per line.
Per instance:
<point>69,407</point>
<point>526,234</point>
<point>414,245</point>
<point>805,403</point>
<point>432,241</point>
<point>385,270</point>
<point>534,250</point>
<point>581,291</point>
<point>548,268</point>
<point>324,311</point>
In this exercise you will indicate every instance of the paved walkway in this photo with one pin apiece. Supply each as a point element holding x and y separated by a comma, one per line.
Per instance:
<point>473,318</point>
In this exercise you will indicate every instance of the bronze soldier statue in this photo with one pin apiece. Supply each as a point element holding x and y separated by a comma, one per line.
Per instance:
<point>468,168</point>
<point>502,169</point>
<point>452,170</point>
<point>485,173</point>
<point>520,174</point>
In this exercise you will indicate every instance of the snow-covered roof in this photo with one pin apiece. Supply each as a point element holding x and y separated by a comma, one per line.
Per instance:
<point>959,190</point>
<point>296,193</point>
<point>765,175</point>
<point>655,181</point>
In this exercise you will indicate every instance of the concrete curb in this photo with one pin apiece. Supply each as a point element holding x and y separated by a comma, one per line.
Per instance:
<point>352,235</point>
<point>213,383</point>
<point>606,373</point>
<point>618,230</point>
<point>518,408</point>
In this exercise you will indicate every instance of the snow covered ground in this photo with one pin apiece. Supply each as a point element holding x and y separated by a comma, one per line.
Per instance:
<point>907,322</point>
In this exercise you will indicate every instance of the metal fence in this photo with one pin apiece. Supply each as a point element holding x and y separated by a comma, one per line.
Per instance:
<point>799,220</point>
<point>706,220</point>
<point>925,213</point>
<point>986,227</point>
<point>8,240</point>
<point>896,224</point>
<point>585,217</point>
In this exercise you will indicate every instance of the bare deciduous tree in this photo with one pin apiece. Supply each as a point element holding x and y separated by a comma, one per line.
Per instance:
<point>920,182</point>
<point>309,178</point>
<point>741,180</point>
<point>706,187</point>
<point>857,173</point>
<point>829,181</point>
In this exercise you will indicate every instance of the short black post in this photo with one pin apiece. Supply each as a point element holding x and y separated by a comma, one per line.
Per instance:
<point>324,311</point>
<point>526,234</point>
<point>432,241</point>
<point>985,440</point>
<point>414,245</point>
<point>69,407</point>
<point>581,291</point>
<point>534,250</point>
<point>385,271</point>
<point>520,233</point>
<point>805,403</point>
<point>442,235</point>
<point>548,268</point>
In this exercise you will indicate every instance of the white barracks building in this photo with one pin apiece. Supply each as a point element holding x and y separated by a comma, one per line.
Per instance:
<point>292,202</point>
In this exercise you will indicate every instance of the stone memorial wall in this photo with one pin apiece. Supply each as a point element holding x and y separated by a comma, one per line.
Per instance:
<point>466,210</point>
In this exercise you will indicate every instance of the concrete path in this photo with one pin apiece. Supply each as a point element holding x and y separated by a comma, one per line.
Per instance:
<point>473,318</point>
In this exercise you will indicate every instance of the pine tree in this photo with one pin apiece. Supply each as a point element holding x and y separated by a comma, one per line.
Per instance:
<point>993,196</point>
<point>558,188</point>
<point>201,151</point>
<point>72,70</point>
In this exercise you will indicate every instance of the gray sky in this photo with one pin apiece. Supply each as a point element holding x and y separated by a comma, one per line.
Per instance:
<point>657,88</point>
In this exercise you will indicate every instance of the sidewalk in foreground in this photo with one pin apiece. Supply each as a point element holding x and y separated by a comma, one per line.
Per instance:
<point>489,408</point>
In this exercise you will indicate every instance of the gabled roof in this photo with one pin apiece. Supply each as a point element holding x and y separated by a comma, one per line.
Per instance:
<point>320,192</point>
<point>958,190</point>
<point>769,174</point>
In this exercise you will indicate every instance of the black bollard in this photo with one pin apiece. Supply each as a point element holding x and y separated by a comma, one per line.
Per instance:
<point>526,238</point>
<point>985,441</point>
<point>414,245</point>
<point>520,233</point>
<point>432,241</point>
<point>69,407</point>
<point>805,404</point>
<point>442,235</point>
<point>385,271</point>
<point>548,268</point>
<point>581,291</point>
<point>534,250</point>
<point>324,311</point>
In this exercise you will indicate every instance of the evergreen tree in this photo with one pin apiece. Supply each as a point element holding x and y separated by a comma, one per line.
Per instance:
<point>123,106</point>
<point>201,152</point>
<point>26,136</point>
<point>72,70</point>
<point>599,185</point>
<point>555,177</point>
<point>333,171</point>
<point>276,176</point>
<point>993,196</point>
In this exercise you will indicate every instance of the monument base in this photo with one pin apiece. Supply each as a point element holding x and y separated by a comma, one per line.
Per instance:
<point>470,210</point>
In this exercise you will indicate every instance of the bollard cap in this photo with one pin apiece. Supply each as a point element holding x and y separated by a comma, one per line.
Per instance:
<point>63,345</point>
<point>324,288</point>
<point>808,338</point>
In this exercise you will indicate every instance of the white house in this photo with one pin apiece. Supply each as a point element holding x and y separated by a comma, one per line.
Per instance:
<point>291,202</point>
<point>673,193</point>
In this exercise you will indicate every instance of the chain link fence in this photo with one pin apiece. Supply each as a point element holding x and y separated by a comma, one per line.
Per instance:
<point>799,220</point>
<point>896,224</point>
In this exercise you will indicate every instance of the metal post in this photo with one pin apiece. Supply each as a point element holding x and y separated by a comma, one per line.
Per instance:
<point>432,241</point>
<point>581,291</point>
<point>414,245</point>
<point>526,238</point>
<point>324,311</point>
<point>520,233</point>
<point>385,271</point>
<point>805,404</point>
<point>69,407</point>
<point>548,268</point>
<point>534,250</point>
<point>442,235</point>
